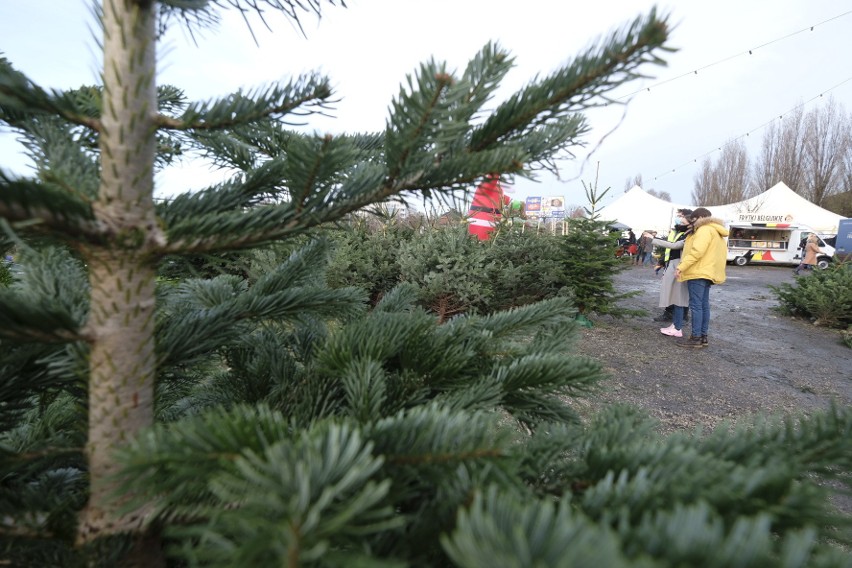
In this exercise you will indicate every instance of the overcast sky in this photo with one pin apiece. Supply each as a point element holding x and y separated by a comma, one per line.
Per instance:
<point>672,122</point>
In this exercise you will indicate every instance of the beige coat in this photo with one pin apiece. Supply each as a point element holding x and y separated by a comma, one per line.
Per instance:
<point>811,252</point>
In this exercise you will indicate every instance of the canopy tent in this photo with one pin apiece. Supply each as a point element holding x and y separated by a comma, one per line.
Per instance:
<point>778,204</point>
<point>640,211</point>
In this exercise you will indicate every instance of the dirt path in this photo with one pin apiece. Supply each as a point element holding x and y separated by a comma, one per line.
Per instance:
<point>757,361</point>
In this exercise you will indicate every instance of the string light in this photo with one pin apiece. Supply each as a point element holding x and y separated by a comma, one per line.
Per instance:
<point>749,52</point>
<point>761,127</point>
<point>719,62</point>
<point>726,59</point>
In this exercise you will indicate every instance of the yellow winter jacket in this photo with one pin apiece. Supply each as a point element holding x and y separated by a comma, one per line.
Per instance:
<point>705,252</point>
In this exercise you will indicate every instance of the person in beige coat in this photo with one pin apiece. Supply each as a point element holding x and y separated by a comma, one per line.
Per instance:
<point>702,264</point>
<point>811,251</point>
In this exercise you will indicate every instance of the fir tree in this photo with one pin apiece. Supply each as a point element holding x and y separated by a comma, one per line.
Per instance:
<point>258,418</point>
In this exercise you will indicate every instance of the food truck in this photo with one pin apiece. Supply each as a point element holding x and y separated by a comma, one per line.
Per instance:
<point>772,242</point>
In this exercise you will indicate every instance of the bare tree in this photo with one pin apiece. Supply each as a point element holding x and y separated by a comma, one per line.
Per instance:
<point>575,212</point>
<point>782,155</point>
<point>664,195</point>
<point>846,177</point>
<point>726,180</point>
<point>703,183</point>
<point>630,183</point>
<point>826,143</point>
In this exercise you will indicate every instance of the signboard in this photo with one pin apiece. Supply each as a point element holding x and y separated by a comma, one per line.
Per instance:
<point>758,218</point>
<point>553,207</point>
<point>533,207</point>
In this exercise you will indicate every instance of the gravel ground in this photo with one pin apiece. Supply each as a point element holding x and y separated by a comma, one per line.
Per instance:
<point>758,361</point>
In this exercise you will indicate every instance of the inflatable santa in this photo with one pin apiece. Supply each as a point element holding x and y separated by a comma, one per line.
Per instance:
<point>487,207</point>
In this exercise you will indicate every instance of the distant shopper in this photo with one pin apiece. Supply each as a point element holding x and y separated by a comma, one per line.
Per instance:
<point>643,241</point>
<point>674,295</point>
<point>809,254</point>
<point>702,264</point>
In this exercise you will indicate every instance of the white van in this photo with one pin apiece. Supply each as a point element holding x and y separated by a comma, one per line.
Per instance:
<point>774,243</point>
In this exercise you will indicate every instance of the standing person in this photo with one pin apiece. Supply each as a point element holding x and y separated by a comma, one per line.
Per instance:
<point>809,254</point>
<point>640,248</point>
<point>674,294</point>
<point>702,264</point>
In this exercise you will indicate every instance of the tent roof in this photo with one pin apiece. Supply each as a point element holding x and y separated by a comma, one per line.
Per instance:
<point>639,210</point>
<point>779,203</point>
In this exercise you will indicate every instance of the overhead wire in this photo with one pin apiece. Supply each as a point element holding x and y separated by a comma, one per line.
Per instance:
<point>761,127</point>
<point>740,54</point>
<point>725,60</point>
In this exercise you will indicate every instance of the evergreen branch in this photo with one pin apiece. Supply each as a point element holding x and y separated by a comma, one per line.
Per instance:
<point>229,150</point>
<point>236,230</point>
<point>401,298</point>
<point>310,494</point>
<point>365,184</point>
<point>600,69</point>
<point>813,439</point>
<point>166,460</point>
<point>682,470</point>
<point>550,312</point>
<point>416,120</point>
<point>383,337</point>
<point>19,93</point>
<point>45,205</point>
<point>46,452</point>
<point>239,108</point>
<point>255,188</point>
<point>22,333</point>
<point>48,302</point>
<point>433,435</point>
<point>208,314</point>
<point>505,529</point>
<point>204,13</point>
<point>482,77</point>
<point>303,267</point>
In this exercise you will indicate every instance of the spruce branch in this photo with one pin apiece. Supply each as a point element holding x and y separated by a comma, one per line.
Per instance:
<point>505,529</point>
<point>482,78</point>
<point>49,301</point>
<point>254,189</point>
<point>205,13</point>
<point>19,93</point>
<point>417,115</point>
<point>572,88</point>
<point>46,206</point>
<point>202,315</point>
<point>311,91</point>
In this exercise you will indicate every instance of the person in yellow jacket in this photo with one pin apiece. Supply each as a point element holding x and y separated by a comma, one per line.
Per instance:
<point>702,264</point>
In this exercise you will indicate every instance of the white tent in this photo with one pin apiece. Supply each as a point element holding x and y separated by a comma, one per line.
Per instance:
<point>639,211</point>
<point>778,204</point>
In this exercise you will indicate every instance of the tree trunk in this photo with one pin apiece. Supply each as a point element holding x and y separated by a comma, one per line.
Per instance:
<point>122,268</point>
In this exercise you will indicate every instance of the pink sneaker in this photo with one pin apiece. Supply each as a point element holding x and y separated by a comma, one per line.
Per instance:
<point>671,331</point>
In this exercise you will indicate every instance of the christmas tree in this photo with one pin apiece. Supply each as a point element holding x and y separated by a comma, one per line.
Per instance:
<point>259,418</point>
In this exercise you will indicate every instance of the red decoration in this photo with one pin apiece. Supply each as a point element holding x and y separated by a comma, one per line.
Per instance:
<point>487,207</point>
